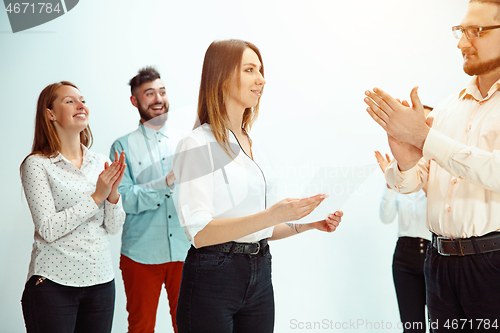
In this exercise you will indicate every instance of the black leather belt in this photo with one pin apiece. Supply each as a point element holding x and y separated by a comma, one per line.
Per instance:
<point>465,246</point>
<point>244,248</point>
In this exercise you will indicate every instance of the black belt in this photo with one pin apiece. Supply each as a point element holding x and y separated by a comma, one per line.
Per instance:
<point>465,246</point>
<point>234,247</point>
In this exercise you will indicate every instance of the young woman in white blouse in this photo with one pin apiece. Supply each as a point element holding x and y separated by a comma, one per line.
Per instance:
<point>73,197</point>
<point>224,195</point>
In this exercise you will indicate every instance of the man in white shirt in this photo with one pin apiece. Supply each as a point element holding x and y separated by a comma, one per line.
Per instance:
<point>154,244</point>
<point>459,158</point>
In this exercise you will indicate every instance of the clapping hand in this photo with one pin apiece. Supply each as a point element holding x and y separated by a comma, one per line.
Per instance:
<point>382,162</point>
<point>170,178</point>
<point>399,120</point>
<point>114,195</point>
<point>405,125</point>
<point>109,180</point>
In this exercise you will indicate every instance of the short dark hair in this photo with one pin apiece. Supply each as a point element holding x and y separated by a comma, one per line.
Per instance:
<point>146,74</point>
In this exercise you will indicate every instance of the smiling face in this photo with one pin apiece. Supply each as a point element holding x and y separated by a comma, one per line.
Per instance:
<point>481,55</point>
<point>68,112</point>
<point>246,94</point>
<point>150,98</point>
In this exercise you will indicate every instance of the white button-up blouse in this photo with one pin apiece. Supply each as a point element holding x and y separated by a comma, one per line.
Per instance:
<point>411,210</point>
<point>212,185</point>
<point>71,244</point>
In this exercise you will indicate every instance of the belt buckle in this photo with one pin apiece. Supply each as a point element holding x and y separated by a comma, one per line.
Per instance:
<point>439,247</point>
<point>258,248</point>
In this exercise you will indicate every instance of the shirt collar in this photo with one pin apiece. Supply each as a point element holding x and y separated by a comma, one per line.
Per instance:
<point>472,91</point>
<point>149,132</point>
<point>56,159</point>
<point>87,156</point>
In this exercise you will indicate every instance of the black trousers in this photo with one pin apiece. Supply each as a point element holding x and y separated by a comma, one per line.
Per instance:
<point>226,293</point>
<point>53,308</point>
<point>463,292</point>
<point>409,280</point>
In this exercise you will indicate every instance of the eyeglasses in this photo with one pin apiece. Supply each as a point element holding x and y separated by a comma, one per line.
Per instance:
<point>470,32</point>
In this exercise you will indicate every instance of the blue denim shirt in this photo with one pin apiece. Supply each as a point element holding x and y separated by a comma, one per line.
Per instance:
<point>152,233</point>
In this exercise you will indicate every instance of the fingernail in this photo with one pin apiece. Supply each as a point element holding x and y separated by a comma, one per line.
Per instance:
<point>375,89</point>
<point>367,93</point>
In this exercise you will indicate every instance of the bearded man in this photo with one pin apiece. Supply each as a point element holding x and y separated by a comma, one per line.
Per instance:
<point>154,244</point>
<point>458,156</point>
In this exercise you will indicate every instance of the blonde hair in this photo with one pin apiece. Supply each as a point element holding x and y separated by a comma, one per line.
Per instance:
<point>221,60</point>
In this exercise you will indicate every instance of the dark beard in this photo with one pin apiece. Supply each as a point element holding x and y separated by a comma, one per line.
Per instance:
<point>483,67</point>
<point>156,120</point>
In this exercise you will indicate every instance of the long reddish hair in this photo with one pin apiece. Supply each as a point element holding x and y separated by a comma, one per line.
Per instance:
<point>221,60</point>
<point>46,142</point>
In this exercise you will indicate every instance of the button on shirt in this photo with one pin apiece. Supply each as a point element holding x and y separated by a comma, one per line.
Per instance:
<point>152,233</point>
<point>461,163</point>
<point>71,244</point>
<point>411,210</point>
<point>214,186</point>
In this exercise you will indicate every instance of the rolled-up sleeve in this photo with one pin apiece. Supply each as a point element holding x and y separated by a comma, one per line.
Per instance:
<point>193,171</point>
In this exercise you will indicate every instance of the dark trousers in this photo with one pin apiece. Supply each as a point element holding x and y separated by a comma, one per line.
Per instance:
<point>225,293</point>
<point>409,280</point>
<point>463,292</point>
<point>53,308</point>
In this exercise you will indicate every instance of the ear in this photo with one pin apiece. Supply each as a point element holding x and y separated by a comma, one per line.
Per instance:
<point>133,100</point>
<point>50,115</point>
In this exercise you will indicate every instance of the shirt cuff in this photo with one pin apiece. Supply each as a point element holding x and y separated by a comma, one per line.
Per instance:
<point>159,185</point>
<point>197,222</point>
<point>399,180</point>
<point>116,214</point>
<point>109,205</point>
<point>438,147</point>
<point>86,209</point>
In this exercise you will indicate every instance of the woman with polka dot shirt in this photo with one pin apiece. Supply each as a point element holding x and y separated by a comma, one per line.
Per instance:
<point>73,197</point>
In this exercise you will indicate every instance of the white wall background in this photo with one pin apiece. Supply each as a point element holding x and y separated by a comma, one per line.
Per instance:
<point>319,56</point>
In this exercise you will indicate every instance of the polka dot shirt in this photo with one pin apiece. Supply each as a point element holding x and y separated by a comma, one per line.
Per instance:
<point>71,244</point>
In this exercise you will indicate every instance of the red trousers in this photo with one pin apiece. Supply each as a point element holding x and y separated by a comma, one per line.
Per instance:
<point>143,287</point>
